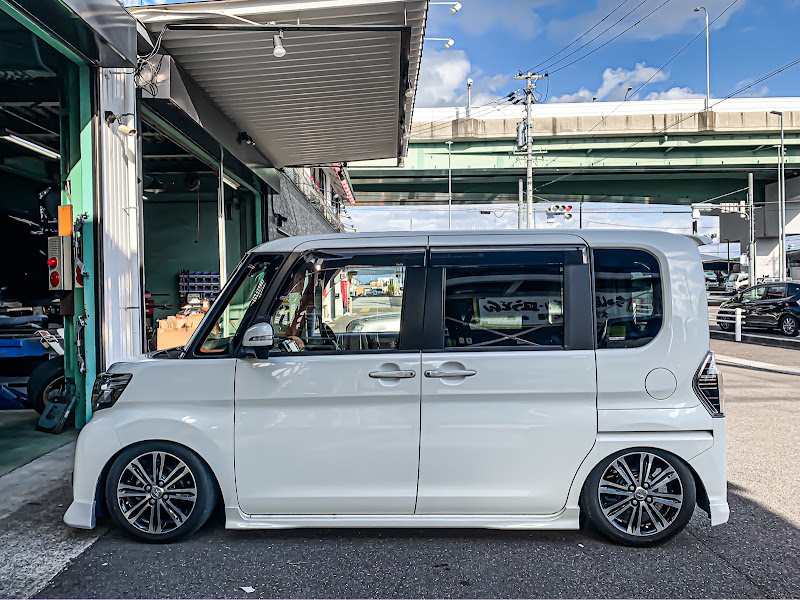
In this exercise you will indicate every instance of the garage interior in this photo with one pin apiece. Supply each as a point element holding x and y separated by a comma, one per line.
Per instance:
<point>32,115</point>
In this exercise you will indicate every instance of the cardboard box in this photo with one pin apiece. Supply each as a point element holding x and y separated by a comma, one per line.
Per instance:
<point>176,331</point>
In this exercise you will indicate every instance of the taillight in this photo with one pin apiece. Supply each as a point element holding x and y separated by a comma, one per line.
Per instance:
<point>52,262</point>
<point>708,386</point>
<point>55,278</point>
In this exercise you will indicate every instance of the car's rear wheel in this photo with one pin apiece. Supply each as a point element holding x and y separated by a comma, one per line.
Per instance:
<point>789,325</point>
<point>724,325</point>
<point>640,497</point>
<point>160,491</point>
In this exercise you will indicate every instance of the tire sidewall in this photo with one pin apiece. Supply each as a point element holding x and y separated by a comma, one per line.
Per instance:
<point>40,378</point>
<point>206,491</point>
<point>591,504</point>
<point>785,318</point>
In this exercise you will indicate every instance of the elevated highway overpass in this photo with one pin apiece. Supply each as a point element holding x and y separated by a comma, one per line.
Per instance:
<point>663,151</point>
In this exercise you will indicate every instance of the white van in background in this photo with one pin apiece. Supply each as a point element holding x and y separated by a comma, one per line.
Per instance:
<point>504,380</point>
<point>736,282</point>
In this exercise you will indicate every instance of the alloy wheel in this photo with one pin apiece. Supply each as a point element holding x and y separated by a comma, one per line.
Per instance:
<point>156,492</point>
<point>789,326</point>
<point>640,494</point>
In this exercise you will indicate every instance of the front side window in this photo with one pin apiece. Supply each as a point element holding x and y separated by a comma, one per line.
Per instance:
<point>628,301</point>
<point>505,306</point>
<point>249,288</point>
<point>340,307</point>
<point>753,294</point>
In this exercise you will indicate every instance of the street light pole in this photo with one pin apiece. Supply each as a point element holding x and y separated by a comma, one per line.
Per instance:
<point>781,202</point>
<point>708,61</point>
<point>728,244</point>
<point>449,186</point>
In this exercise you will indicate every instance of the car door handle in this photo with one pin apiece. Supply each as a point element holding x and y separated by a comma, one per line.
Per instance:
<point>454,373</point>
<point>393,374</point>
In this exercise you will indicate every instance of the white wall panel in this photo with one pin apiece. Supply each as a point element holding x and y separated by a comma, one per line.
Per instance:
<point>120,220</point>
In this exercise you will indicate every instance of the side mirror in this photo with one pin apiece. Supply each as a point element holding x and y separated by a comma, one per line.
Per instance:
<point>260,335</point>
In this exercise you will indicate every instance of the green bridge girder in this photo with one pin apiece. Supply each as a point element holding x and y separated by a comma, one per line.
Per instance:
<point>656,169</point>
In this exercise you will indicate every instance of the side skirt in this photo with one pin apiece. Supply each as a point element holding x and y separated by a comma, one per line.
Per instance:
<point>566,519</point>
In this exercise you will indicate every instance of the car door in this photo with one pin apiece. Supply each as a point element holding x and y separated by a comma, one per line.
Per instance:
<point>769,306</point>
<point>328,421</point>
<point>508,392</point>
<point>752,308</point>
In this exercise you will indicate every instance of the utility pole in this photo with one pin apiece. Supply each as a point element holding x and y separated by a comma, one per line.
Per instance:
<point>531,79</point>
<point>519,205</point>
<point>751,259</point>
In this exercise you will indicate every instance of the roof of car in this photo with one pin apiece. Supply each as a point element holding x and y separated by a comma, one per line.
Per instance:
<point>660,239</point>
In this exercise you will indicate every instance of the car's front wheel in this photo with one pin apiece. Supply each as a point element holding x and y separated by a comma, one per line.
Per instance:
<point>789,325</point>
<point>640,497</point>
<point>159,491</point>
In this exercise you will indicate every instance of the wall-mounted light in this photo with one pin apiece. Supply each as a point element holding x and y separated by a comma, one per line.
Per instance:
<point>454,6</point>
<point>244,138</point>
<point>278,51</point>
<point>410,91</point>
<point>19,141</point>
<point>155,186</point>
<point>448,42</point>
<point>122,128</point>
<point>230,182</point>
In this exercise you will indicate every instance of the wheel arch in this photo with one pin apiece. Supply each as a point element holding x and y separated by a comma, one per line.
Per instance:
<point>99,495</point>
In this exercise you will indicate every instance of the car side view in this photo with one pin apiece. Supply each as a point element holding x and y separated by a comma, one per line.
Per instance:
<point>773,306</point>
<point>496,380</point>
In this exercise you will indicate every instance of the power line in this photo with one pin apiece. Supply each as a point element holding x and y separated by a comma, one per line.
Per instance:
<point>580,36</point>
<point>606,30</point>
<point>678,122</point>
<point>561,68</point>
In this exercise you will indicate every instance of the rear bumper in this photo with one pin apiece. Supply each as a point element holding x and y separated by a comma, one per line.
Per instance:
<point>711,467</point>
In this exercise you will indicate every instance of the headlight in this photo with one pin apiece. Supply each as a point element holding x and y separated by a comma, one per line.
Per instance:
<point>108,387</point>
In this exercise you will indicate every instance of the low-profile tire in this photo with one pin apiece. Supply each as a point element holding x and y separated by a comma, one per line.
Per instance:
<point>640,496</point>
<point>170,506</point>
<point>789,325</point>
<point>44,381</point>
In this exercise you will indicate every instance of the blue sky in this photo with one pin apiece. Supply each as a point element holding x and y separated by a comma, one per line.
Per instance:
<point>497,38</point>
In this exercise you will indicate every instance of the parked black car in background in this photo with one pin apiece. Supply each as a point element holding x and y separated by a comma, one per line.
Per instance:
<point>768,306</point>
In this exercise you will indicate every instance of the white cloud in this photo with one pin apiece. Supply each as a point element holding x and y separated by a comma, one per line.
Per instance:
<point>518,16</point>
<point>615,84</point>
<point>675,93</point>
<point>676,17</point>
<point>443,80</point>
<point>753,92</point>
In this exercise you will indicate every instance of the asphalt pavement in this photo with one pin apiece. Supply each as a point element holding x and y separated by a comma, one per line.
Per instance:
<point>754,555</point>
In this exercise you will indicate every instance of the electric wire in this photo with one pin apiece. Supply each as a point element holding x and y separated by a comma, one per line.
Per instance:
<point>577,39</point>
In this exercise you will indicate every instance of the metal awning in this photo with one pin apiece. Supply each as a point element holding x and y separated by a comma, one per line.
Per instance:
<point>338,94</point>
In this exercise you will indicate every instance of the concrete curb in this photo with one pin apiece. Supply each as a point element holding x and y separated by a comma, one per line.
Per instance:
<point>790,343</point>
<point>756,365</point>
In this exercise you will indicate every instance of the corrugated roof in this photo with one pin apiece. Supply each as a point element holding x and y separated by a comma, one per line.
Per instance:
<point>336,96</point>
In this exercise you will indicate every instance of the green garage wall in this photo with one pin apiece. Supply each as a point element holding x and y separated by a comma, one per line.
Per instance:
<point>170,229</point>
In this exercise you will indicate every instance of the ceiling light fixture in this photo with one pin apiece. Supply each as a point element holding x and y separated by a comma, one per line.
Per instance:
<point>278,50</point>
<point>155,187</point>
<point>43,150</point>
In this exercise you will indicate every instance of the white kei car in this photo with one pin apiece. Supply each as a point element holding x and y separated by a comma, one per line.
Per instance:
<point>518,381</point>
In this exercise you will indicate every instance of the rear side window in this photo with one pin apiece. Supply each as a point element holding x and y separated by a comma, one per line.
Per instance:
<point>794,288</point>
<point>775,292</point>
<point>628,297</point>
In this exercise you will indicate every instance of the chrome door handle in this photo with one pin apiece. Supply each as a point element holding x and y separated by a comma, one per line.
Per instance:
<point>455,373</point>
<point>393,374</point>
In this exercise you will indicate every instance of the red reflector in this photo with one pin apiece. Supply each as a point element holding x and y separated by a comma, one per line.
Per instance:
<point>55,279</point>
<point>569,207</point>
<point>52,262</point>
<point>78,276</point>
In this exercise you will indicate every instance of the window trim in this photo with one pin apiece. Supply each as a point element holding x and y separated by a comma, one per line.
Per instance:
<point>663,279</point>
<point>412,303</point>
<point>579,328</point>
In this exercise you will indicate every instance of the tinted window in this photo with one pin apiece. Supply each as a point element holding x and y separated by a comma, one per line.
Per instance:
<point>775,292</point>
<point>794,288</point>
<point>628,298</point>
<point>339,305</point>
<point>500,305</point>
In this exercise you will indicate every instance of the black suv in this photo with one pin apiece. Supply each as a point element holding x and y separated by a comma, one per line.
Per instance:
<point>769,306</point>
